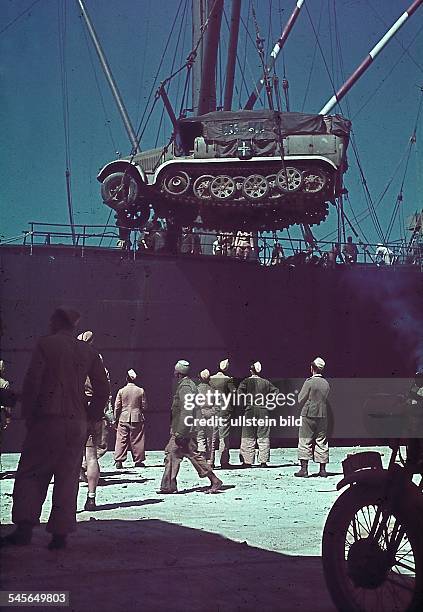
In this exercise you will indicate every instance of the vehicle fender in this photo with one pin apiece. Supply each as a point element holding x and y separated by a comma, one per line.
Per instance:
<point>395,484</point>
<point>121,166</point>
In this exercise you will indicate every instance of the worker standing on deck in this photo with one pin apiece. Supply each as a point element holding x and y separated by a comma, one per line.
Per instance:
<point>55,410</point>
<point>130,407</point>
<point>254,389</point>
<point>224,384</point>
<point>183,435</point>
<point>313,401</point>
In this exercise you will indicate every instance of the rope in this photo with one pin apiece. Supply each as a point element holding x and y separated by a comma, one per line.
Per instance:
<point>260,50</point>
<point>400,194</point>
<point>61,15</point>
<point>105,227</point>
<point>397,40</point>
<point>9,25</point>
<point>386,77</point>
<point>106,119</point>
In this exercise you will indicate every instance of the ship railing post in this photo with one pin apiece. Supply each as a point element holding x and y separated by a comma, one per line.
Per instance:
<point>32,238</point>
<point>84,233</point>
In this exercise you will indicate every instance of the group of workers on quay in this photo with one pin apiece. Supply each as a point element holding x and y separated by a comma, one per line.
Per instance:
<point>67,407</point>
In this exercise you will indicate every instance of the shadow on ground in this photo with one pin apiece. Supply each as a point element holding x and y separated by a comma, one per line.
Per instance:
<point>159,566</point>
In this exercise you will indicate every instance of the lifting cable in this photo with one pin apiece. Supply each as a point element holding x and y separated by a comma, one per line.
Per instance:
<point>260,51</point>
<point>313,59</point>
<point>61,15</point>
<point>172,67</point>
<point>243,68</point>
<point>249,37</point>
<point>412,142</point>
<point>153,87</point>
<point>363,178</point>
<point>397,40</point>
<point>388,74</point>
<point>22,14</point>
<point>106,119</point>
<point>146,45</point>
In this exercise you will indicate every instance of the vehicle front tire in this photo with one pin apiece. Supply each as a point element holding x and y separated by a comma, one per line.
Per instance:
<point>120,190</point>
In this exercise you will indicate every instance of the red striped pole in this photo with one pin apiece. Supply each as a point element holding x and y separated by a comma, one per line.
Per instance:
<point>275,52</point>
<point>369,59</point>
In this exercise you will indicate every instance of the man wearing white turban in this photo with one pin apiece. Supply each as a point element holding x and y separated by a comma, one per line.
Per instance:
<point>255,387</point>
<point>224,384</point>
<point>183,436</point>
<point>130,406</point>
<point>313,400</point>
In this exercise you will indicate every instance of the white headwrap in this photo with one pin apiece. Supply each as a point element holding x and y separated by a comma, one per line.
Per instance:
<point>205,374</point>
<point>86,336</point>
<point>132,374</point>
<point>256,366</point>
<point>182,366</point>
<point>319,363</point>
<point>224,365</point>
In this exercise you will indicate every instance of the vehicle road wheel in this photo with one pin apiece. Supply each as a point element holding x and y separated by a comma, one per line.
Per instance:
<point>177,184</point>
<point>314,181</point>
<point>222,187</point>
<point>255,187</point>
<point>294,181</point>
<point>372,553</point>
<point>201,187</point>
<point>120,190</point>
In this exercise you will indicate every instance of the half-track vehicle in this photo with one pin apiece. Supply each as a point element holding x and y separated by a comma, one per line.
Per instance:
<point>258,170</point>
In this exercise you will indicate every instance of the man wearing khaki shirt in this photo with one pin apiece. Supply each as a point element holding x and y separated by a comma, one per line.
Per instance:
<point>313,400</point>
<point>130,406</point>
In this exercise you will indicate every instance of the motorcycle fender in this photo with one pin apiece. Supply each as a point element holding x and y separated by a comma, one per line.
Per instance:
<point>396,485</point>
<point>370,477</point>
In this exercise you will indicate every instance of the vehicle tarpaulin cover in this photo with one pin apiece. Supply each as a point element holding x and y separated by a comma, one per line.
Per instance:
<point>224,126</point>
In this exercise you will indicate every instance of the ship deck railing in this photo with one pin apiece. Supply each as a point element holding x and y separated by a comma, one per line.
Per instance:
<point>82,238</point>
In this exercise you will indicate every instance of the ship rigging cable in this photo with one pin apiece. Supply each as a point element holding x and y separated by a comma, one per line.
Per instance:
<point>366,191</point>
<point>106,119</point>
<point>22,14</point>
<point>61,13</point>
<point>413,138</point>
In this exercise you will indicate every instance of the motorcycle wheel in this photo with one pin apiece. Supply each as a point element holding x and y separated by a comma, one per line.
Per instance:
<point>362,572</point>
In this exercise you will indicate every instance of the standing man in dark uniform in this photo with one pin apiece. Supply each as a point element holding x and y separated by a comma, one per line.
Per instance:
<point>257,388</point>
<point>313,401</point>
<point>224,384</point>
<point>54,407</point>
<point>183,436</point>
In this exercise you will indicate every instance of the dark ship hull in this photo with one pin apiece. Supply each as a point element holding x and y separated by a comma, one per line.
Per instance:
<point>149,312</point>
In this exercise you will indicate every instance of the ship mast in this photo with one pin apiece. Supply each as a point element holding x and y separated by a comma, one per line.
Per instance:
<point>344,89</point>
<point>207,97</point>
<point>232,49</point>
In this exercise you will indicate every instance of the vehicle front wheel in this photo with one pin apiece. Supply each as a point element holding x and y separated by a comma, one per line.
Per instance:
<point>120,190</point>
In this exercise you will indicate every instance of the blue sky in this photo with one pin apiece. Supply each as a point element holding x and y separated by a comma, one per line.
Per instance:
<point>383,105</point>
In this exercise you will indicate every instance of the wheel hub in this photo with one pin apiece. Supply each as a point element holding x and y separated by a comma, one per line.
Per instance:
<point>367,564</point>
